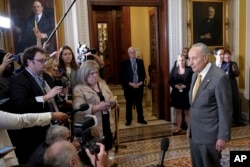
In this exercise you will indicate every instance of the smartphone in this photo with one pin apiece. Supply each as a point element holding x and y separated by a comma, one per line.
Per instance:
<point>3,100</point>
<point>5,150</point>
<point>15,58</point>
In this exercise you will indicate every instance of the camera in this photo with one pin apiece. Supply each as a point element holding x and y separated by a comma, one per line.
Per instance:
<point>65,81</point>
<point>85,53</point>
<point>82,132</point>
<point>13,57</point>
<point>91,145</point>
<point>62,79</point>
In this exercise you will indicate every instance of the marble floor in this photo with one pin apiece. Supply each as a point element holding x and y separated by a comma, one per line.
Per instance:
<point>145,151</point>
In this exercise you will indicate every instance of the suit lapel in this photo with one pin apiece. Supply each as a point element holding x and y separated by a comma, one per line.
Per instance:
<point>33,82</point>
<point>203,84</point>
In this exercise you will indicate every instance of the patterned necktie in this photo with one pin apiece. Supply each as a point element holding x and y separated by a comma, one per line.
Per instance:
<point>196,86</point>
<point>135,75</point>
<point>41,81</point>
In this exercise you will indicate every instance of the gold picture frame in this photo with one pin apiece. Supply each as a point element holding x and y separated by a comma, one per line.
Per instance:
<point>208,22</point>
<point>21,11</point>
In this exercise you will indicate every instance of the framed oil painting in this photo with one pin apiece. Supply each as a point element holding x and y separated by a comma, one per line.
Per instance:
<point>207,20</point>
<point>32,24</point>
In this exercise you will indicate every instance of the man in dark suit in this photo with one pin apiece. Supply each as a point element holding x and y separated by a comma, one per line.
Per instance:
<point>223,61</point>
<point>233,71</point>
<point>32,91</point>
<point>210,29</point>
<point>39,27</point>
<point>210,111</point>
<point>133,84</point>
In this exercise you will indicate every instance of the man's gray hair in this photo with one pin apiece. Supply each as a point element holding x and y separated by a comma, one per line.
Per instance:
<point>58,154</point>
<point>55,133</point>
<point>203,48</point>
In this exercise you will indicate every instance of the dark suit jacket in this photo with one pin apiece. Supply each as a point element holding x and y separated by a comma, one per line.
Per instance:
<point>212,26</point>
<point>225,66</point>
<point>127,73</point>
<point>229,70</point>
<point>45,25</point>
<point>23,90</point>
<point>211,110</point>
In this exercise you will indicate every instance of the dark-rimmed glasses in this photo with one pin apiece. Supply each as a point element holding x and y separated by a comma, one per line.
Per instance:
<point>42,61</point>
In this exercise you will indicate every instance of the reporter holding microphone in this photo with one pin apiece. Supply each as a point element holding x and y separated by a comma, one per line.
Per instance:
<point>19,121</point>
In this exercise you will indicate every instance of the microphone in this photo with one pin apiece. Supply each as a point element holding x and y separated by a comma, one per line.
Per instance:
<point>82,107</point>
<point>164,148</point>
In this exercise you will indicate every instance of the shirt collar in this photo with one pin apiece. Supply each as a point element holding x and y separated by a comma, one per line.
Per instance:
<point>39,16</point>
<point>205,70</point>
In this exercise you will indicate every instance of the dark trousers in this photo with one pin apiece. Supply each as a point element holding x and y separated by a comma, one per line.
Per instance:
<point>134,96</point>
<point>236,102</point>
<point>204,155</point>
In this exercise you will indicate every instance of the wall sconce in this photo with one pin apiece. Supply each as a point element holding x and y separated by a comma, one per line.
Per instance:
<point>4,22</point>
<point>227,23</point>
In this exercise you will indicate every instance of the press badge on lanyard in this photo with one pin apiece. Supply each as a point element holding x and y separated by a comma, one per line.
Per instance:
<point>105,112</point>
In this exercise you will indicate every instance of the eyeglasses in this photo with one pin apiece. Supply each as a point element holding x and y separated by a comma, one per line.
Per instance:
<point>42,61</point>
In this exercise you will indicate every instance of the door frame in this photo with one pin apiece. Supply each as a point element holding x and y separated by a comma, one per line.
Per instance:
<point>162,64</point>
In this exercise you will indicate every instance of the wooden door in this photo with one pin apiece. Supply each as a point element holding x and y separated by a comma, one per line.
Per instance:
<point>154,65</point>
<point>106,27</point>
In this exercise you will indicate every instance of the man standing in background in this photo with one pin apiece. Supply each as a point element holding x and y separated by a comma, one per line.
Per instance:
<point>133,77</point>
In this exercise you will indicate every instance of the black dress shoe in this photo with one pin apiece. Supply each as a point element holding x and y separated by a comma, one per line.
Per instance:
<point>177,132</point>
<point>143,122</point>
<point>128,123</point>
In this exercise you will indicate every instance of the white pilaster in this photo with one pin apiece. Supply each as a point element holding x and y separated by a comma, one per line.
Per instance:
<point>83,23</point>
<point>176,21</point>
<point>70,25</point>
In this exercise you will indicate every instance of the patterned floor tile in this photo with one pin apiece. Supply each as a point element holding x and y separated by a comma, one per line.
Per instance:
<point>146,153</point>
